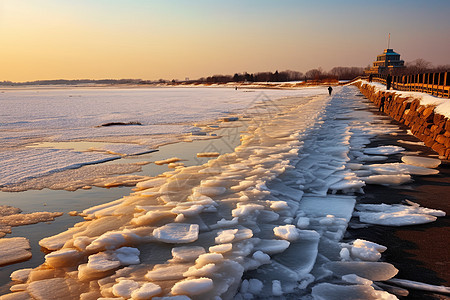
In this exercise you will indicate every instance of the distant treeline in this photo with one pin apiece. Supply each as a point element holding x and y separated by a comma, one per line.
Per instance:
<point>420,66</point>
<point>337,73</point>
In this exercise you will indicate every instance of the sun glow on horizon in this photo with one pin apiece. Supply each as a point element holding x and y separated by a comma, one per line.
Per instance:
<point>52,39</point>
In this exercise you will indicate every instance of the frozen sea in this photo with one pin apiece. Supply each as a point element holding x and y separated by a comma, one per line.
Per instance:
<point>263,220</point>
<point>65,115</point>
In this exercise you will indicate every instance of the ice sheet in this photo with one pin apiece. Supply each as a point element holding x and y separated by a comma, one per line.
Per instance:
<point>273,212</point>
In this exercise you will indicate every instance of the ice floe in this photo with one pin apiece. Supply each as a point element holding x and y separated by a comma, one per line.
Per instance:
<point>13,250</point>
<point>424,162</point>
<point>396,214</point>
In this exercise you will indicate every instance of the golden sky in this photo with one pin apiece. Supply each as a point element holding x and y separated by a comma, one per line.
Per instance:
<point>53,39</point>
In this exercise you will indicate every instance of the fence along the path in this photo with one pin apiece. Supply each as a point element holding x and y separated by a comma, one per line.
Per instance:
<point>436,84</point>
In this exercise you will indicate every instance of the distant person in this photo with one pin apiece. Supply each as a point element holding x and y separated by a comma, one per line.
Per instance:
<point>383,100</point>
<point>370,77</point>
<point>330,89</point>
<point>388,82</point>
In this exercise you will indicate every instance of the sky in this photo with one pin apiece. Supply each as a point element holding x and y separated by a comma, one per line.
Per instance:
<point>176,39</point>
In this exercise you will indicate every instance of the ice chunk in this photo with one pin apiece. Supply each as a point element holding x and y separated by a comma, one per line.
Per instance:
<point>246,209</point>
<point>272,246</point>
<point>177,233</point>
<point>58,288</point>
<point>338,206</point>
<point>350,292</point>
<point>14,250</point>
<point>303,222</point>
<point>192,287</point>
<point>365,250</point>
<point>6,210</point>
<point>276,288</point>
<point>384,150</point>
<point>398,169</point>
<point>279,205</point>
<point>397,214</point>
<point>167,161</point>
<point>287,232</point>
<point>146,291</point>
<point>208,154</point>
<point>222,248</point>
<point>209,191</point>
<point>387,179</point>
<point>151,183</point>
<point>31,218</point>
<point>167,272</point>
<point>301,255</point>
<point>208,258</point>
<point>187,253</point>
<point>425,162</point>
<point>352,278</point>
<point>420,286</point>
<point>233,235</point>
<point>124,288</point>
<point>21,275</point>
<point>375,271</point>
<point>63,257</point>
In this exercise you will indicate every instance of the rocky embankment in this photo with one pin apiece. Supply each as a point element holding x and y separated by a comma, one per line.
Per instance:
<point>425,123</point>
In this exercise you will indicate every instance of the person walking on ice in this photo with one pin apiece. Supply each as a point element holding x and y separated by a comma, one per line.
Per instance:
<point>330,89</point>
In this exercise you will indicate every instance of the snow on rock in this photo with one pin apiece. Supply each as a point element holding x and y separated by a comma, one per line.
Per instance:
<point>424,162</point>
<point>396,214</point>
<point>14,250</point>
<point>177,233</point>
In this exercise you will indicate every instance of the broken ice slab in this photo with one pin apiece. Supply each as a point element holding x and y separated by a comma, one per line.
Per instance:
<point>375,271</point>
<point>14,250</point>
<point>418,161</point>
<point>338,206</point>
<point>177,233</point>
<point>384,150</point>
<point>397,214</point>
<point>349,292</point>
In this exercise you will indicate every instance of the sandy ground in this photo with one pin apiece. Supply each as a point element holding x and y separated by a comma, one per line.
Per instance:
<point>420,252</point>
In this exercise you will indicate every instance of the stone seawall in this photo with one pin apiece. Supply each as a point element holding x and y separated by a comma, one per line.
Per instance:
<point>427,125</point>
